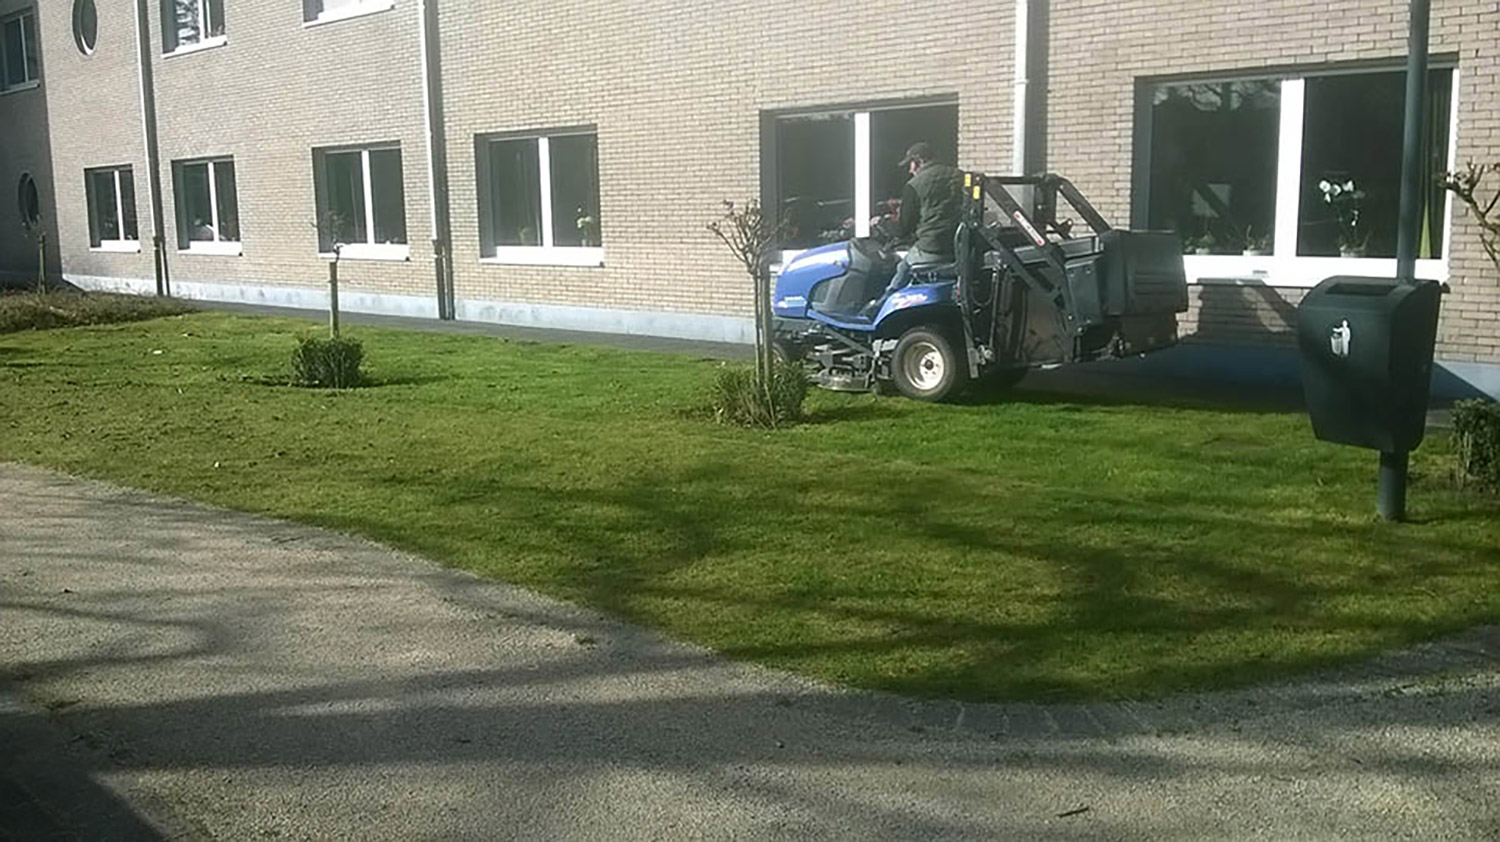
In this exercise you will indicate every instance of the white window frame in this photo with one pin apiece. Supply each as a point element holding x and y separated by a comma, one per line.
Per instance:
<point>367,250</point>
<point>204,42</point>
<point>863,187</point>
<point>218,246</point>
<point>546,254</point>
<point>354,10</point>
<point>120,245</point>
<point>24,84</point>
<point>1284,267</point>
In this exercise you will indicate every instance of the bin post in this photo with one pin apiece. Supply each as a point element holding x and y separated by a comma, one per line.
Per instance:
<point>1390,499</point>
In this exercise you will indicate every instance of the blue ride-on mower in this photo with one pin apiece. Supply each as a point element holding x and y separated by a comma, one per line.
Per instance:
<point>1025,292</point>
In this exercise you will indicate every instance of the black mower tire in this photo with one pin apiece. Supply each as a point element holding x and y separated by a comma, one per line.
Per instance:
<point>926,367</point>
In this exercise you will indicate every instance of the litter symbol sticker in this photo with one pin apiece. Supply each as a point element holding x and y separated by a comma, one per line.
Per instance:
<point>1339,339</point>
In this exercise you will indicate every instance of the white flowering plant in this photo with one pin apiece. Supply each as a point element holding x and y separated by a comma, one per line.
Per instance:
<point>1344,198</point>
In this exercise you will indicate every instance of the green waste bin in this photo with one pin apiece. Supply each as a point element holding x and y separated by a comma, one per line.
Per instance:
<point>1367,347</point>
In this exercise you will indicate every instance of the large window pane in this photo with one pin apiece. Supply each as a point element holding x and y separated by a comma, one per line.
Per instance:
<point>389,200</point>
<point>196,212</point>
<point>15,53</point>
<point>215,10</point>
<point>815,178</point>
<point>1352,134</point>
<point>103,208</point>
<point>344,216</point>
<point>127,204</point>
<point>186,26</point>
<point>892,132</point>
<point>1214,149</point>
<point>229,201</point>
<point>33,63</point>
<point>515,198</point>
<point>575,190</point>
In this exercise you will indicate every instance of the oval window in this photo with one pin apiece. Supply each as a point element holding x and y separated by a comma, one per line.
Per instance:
<point>29,201</point>
<point>85,25</point>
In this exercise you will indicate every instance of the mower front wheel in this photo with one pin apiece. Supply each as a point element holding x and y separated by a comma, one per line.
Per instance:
<point>925,366</point>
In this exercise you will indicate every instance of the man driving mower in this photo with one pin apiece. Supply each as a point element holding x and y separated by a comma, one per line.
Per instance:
<point>931,207</point>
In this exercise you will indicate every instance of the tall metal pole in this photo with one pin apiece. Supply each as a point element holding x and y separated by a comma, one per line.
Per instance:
<point>1415,178</point>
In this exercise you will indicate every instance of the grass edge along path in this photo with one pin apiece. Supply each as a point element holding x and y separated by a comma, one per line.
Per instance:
<point>1039,547</point>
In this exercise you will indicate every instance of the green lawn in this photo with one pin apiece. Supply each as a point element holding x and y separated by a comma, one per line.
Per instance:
<point>1036,548</point>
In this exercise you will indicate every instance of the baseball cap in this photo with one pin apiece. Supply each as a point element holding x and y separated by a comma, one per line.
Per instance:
<point>919,151</point>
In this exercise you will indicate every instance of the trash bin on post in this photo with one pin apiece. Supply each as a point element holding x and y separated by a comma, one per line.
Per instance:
<point>1367,346</point>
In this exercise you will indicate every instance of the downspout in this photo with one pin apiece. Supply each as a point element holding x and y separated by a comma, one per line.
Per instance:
<point>437,159</point>
<point>1019,89</point>
<point>1029,109</point>
<point>153,152</point>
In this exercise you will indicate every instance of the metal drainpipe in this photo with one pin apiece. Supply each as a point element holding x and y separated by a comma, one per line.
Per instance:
<point>153,152</point>
<point>1020,89</point>
<point>437,158</point>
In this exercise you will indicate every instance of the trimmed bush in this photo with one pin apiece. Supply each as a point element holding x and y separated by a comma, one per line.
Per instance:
<point>738,399</point>
<point>327,363</point>
<point>46,310</point>
<point>1476,440</point>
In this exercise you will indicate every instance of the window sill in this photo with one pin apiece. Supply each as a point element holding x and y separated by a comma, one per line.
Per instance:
<point>118,246</point>
<point>198,46</point>
<point>1300,272</point>
<point>221,249</point>
<point>542,256</point>
<point>24,86</point>
<point>371,251</point>
<point>361,10</point>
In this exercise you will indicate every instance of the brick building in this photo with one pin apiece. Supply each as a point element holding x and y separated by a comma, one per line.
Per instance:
<point>554,163</point>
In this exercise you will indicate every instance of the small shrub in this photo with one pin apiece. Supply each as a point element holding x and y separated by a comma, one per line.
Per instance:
<point>738,399</point>
<point>46,310</point>
<point>327,363</point>
<point>1476,440</point>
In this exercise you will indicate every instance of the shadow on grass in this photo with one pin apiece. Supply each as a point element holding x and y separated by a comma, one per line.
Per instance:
<point>1092,597</point>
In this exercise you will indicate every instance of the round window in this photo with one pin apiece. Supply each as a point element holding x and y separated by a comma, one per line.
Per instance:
<point>85,25</point>
<point>29,201</point>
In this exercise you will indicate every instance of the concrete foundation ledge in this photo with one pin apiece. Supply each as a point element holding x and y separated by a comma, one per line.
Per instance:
<point>351,299</point>
<point>706,327</point>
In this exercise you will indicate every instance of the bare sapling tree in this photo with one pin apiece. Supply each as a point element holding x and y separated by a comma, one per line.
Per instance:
<point>1466,185</point>
<point>751,237</point>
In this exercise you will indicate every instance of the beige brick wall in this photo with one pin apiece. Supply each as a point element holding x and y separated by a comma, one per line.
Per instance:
<point>24,150</point>
<point>676,90</point>
<point>94,112</point>
<point>268,97</point>
<point>1100,47</point>
<point>273,92</point>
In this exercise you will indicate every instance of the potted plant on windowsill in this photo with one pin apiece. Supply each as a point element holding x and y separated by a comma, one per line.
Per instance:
<point>1256,245</point>
<point>1344,199</point>
<point>1203,244</point>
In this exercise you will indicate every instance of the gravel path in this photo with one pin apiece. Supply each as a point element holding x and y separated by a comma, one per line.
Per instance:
<point>170,670</point>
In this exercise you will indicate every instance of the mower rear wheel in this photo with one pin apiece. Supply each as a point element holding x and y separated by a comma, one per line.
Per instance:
<point>925,367</point>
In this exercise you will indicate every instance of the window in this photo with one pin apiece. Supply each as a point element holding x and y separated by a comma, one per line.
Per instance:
<point>19,65</point>
<point>540,199</point>
<point>85,26</point>
<point>111,200</point>
<point>322,11</point>
<point>208,216</point>
<point>29,202</point>
<point>191,24</point>
<point>1272,178</point>
<point>834,170</point>
<point>361,202</point>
